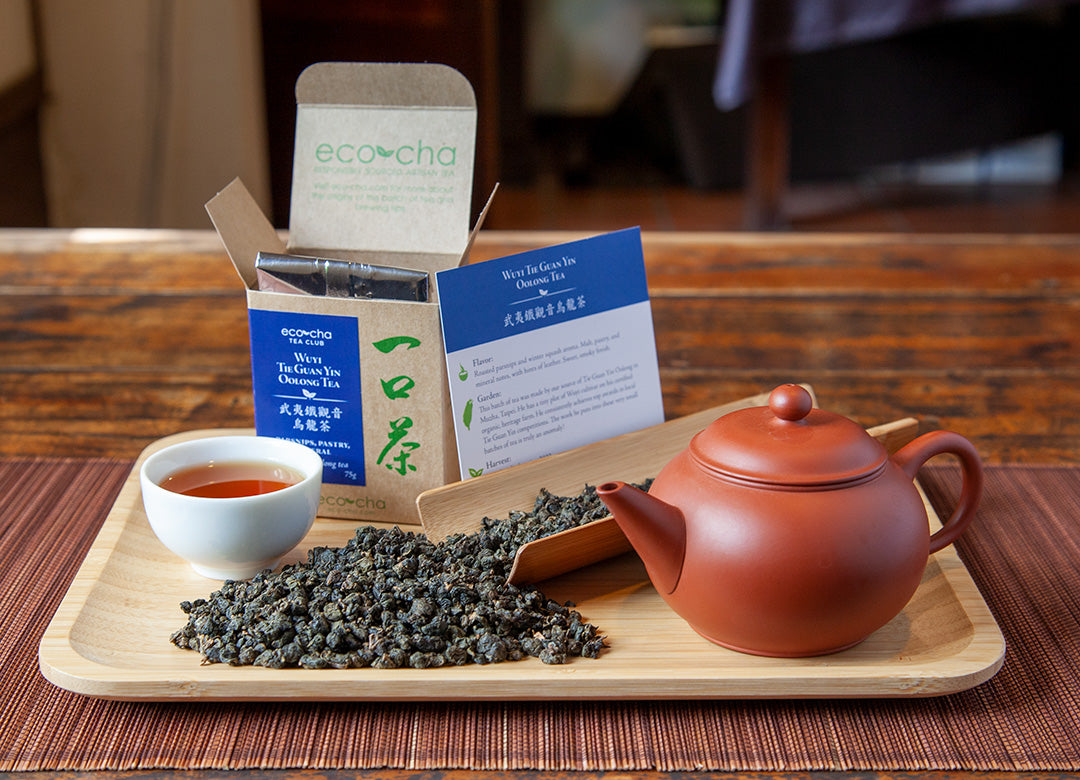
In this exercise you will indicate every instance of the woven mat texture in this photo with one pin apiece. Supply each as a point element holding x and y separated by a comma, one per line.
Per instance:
<point>1023,552</point>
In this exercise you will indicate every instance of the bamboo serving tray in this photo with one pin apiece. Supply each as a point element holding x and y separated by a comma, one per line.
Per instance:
<point>110,637</point>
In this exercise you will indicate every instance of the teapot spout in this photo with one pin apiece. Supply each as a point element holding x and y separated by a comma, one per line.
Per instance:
<point>655,529</point>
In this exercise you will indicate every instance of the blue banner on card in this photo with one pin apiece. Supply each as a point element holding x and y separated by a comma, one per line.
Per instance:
<point>542,287</point>
<point>306,375</point>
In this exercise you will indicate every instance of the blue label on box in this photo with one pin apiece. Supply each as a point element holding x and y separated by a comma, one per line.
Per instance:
<point>305,371</point>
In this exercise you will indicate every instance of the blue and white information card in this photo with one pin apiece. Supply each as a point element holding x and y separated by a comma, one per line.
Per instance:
<point>549,350</point>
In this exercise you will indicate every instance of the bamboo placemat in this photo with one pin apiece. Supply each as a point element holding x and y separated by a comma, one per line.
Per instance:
<point>1023,551</point>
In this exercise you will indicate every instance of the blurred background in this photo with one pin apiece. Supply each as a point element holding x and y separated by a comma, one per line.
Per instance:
<point>593,114</point>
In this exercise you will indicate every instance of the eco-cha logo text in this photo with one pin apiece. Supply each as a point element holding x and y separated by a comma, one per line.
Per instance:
<point>353,505</point>
<point>419,154</point>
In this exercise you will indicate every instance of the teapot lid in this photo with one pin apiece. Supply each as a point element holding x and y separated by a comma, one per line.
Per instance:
<point>788,442</point>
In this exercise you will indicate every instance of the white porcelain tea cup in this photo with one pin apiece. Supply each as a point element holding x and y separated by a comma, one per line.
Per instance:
<point>234,537</point>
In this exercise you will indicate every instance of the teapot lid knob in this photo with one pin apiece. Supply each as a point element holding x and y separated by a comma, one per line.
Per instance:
<point>790,402</point>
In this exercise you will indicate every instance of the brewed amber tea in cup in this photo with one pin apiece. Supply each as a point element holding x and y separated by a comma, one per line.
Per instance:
<point>231,480</point>
<point>231,506</point>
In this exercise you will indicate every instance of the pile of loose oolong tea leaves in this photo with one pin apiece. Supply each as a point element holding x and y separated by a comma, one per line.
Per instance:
<point>391,598</point>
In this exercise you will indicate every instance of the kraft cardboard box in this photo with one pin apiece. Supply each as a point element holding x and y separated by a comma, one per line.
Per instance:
<point>383,175</point>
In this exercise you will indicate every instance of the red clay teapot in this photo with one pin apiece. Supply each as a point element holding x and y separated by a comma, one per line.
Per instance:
<point>788,531</point>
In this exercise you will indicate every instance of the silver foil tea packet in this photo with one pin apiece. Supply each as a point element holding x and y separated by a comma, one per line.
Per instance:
<point>323,276</point>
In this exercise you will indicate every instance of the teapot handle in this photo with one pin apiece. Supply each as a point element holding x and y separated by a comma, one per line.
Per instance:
<point>911,458</point>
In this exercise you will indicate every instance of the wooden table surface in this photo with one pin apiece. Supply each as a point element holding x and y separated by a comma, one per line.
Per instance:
<point>112,339</point>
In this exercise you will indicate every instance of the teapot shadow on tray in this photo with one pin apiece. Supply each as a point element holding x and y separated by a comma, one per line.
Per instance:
<point>619,574</point>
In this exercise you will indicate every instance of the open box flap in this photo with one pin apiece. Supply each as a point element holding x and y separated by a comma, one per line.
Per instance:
<point>384,84</point>
<point>383,160</point>
<point>244,229</point>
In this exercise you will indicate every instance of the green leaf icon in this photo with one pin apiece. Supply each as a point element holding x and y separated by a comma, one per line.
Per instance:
<point>388,345</point>
<point>475,472</point>
<point>462,373</point>
<point>384,152</point>
<point>466,416</point>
